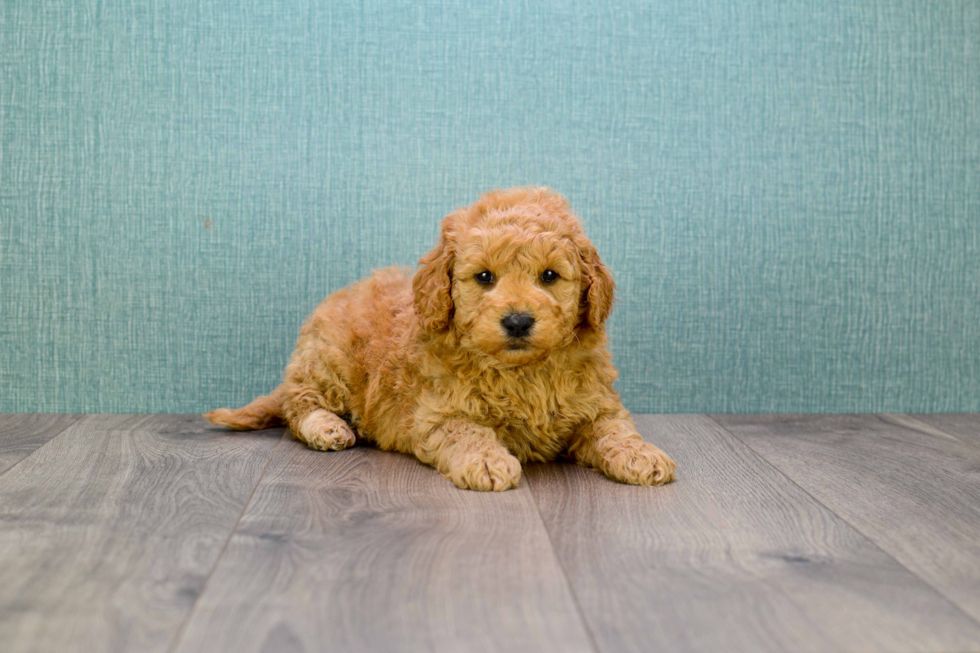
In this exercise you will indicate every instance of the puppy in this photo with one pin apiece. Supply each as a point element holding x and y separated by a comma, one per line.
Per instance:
<point>491,355</point>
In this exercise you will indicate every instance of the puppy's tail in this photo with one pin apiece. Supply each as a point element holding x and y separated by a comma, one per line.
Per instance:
<point>264,412</point>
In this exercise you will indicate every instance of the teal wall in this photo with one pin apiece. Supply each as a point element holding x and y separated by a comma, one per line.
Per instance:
<point>787,191</point>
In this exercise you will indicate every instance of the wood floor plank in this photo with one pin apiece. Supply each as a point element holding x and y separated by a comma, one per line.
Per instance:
<point>965,426</point>
<point>22,434</point>
<point>913,490</point>
<point>731,557</point>
<point>364,550</point>
<point>108,532</point>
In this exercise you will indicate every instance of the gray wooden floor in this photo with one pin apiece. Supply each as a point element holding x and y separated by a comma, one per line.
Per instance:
<point>782,533</point>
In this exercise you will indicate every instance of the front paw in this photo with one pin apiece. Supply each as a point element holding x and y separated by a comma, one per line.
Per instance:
<point>493,470</point>
<point>638,463</point>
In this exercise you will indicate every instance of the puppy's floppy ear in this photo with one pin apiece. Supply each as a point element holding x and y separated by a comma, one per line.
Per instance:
<point>432,283</point>
<point>598,287</point>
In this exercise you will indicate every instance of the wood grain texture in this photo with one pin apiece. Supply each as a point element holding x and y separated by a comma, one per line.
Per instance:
<point>108,532</point>
<point>965,426</point>
<point>913,489</point>
<point>364,550</point>
<point>22,434</point>
<point>732,556</point>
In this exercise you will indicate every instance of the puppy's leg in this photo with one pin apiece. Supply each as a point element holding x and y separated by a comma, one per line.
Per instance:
<point>312,414</point>
<point>324,431</point>
<point>470,456</point>
<point>613,446</point>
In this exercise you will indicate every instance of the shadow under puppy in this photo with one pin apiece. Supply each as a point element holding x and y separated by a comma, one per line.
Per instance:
<point>491,355</point>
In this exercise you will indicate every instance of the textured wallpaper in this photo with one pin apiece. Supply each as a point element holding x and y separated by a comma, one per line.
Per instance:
<point>788,192</point>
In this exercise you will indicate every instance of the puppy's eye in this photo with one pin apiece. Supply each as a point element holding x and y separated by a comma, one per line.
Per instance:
<point>549,276</point>
<point>484,278</point>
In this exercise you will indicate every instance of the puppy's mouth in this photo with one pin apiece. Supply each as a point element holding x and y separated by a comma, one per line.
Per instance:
<point>518,352</point>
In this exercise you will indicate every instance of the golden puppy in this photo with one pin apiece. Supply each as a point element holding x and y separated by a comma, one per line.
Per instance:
<point>492,354</point>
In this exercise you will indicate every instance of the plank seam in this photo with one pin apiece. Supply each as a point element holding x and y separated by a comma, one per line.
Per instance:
<point>561,568</point>
<point>49,441</point>
<point>927,425</point>
<point>179,636</point>
<point>857,530</point>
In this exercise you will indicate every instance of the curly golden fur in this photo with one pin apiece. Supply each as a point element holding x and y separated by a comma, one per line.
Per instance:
<point>491,355</point>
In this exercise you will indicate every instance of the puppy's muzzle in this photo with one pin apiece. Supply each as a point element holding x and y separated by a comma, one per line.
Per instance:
<point>517,325</point>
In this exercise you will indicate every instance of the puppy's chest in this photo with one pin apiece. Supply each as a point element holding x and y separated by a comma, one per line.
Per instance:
<point>534,419</point>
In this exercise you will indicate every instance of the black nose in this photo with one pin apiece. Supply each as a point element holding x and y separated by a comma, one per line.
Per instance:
<point>517,325</point>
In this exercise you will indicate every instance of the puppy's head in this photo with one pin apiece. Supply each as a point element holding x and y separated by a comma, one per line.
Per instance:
<point>514,277</point>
